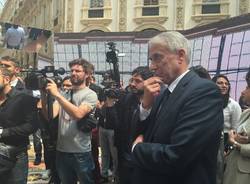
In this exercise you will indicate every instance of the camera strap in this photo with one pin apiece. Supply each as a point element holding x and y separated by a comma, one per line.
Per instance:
<point>71,96</point>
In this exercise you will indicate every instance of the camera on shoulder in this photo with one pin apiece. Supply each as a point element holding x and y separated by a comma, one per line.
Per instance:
<point>37,79</point>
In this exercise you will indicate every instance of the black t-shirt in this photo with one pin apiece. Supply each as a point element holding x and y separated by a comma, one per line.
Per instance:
<point>108,117</point>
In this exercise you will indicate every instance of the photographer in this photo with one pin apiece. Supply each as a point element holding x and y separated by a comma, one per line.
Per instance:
<point>73,160</point>
<point>17,123</point>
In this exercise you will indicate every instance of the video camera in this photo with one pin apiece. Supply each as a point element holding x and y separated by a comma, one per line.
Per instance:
<point>37,79</point>
<point>111,79</point>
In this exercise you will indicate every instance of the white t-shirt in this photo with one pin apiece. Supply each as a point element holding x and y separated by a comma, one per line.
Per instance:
<point>232,114</point>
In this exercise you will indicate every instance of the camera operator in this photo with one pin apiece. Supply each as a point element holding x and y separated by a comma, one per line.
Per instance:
<point>13,66</point>
<point>128,113</point>
<point>17,123</point>
<point>73,160</point>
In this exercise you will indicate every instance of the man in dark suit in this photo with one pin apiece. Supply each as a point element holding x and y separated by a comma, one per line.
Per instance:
<point>182,134</point>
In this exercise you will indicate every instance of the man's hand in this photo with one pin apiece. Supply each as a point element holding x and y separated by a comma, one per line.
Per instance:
<point>52,88</point>
<point>152,88</point>
<point>110,102</point>
<point>242,139</point>
<point>139,139</point>
<point>233,136</point>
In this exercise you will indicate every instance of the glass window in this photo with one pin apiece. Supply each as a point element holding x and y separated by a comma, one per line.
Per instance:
<point>96,9</point>
<point>95,13</point>
<point>151,2</point>
<point>96,3</point>
<point>210,6</point>
<point>151,8</point>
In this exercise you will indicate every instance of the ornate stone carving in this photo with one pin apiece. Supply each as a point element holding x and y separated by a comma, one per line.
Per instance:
<point>180,14</point>
<point>150,25</point>
<point>244,6</point>
<point>123,15</point>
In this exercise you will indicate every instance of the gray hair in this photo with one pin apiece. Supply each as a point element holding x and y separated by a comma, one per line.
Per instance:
<point>173,41</point>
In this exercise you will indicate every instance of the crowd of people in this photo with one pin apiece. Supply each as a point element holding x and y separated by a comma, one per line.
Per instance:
<point>171,124</point>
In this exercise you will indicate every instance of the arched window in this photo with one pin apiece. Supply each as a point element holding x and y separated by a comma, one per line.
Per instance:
<point>150,31</point>
<point>151,8</point>
<point>96,31</point>
<point>95,9</point>
<point>210,6</point>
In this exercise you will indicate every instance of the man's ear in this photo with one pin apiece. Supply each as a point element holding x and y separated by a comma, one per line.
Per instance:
<point>17,70</point>
<point>181,55</point>
<point>6,79</point>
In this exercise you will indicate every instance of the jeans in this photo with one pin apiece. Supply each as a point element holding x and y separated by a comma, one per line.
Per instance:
<point>73,167</point>
<point>106,137</point>
<point>19,174</point>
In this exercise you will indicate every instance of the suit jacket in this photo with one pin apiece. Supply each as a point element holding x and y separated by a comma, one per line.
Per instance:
<point>181,144</point>
<point>238,162</point>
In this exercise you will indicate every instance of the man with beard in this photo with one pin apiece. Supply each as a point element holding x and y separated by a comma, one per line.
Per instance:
<point>74,161</point>
<point>128,113</point>
<point>13,66</point>
<point>16,124</point>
